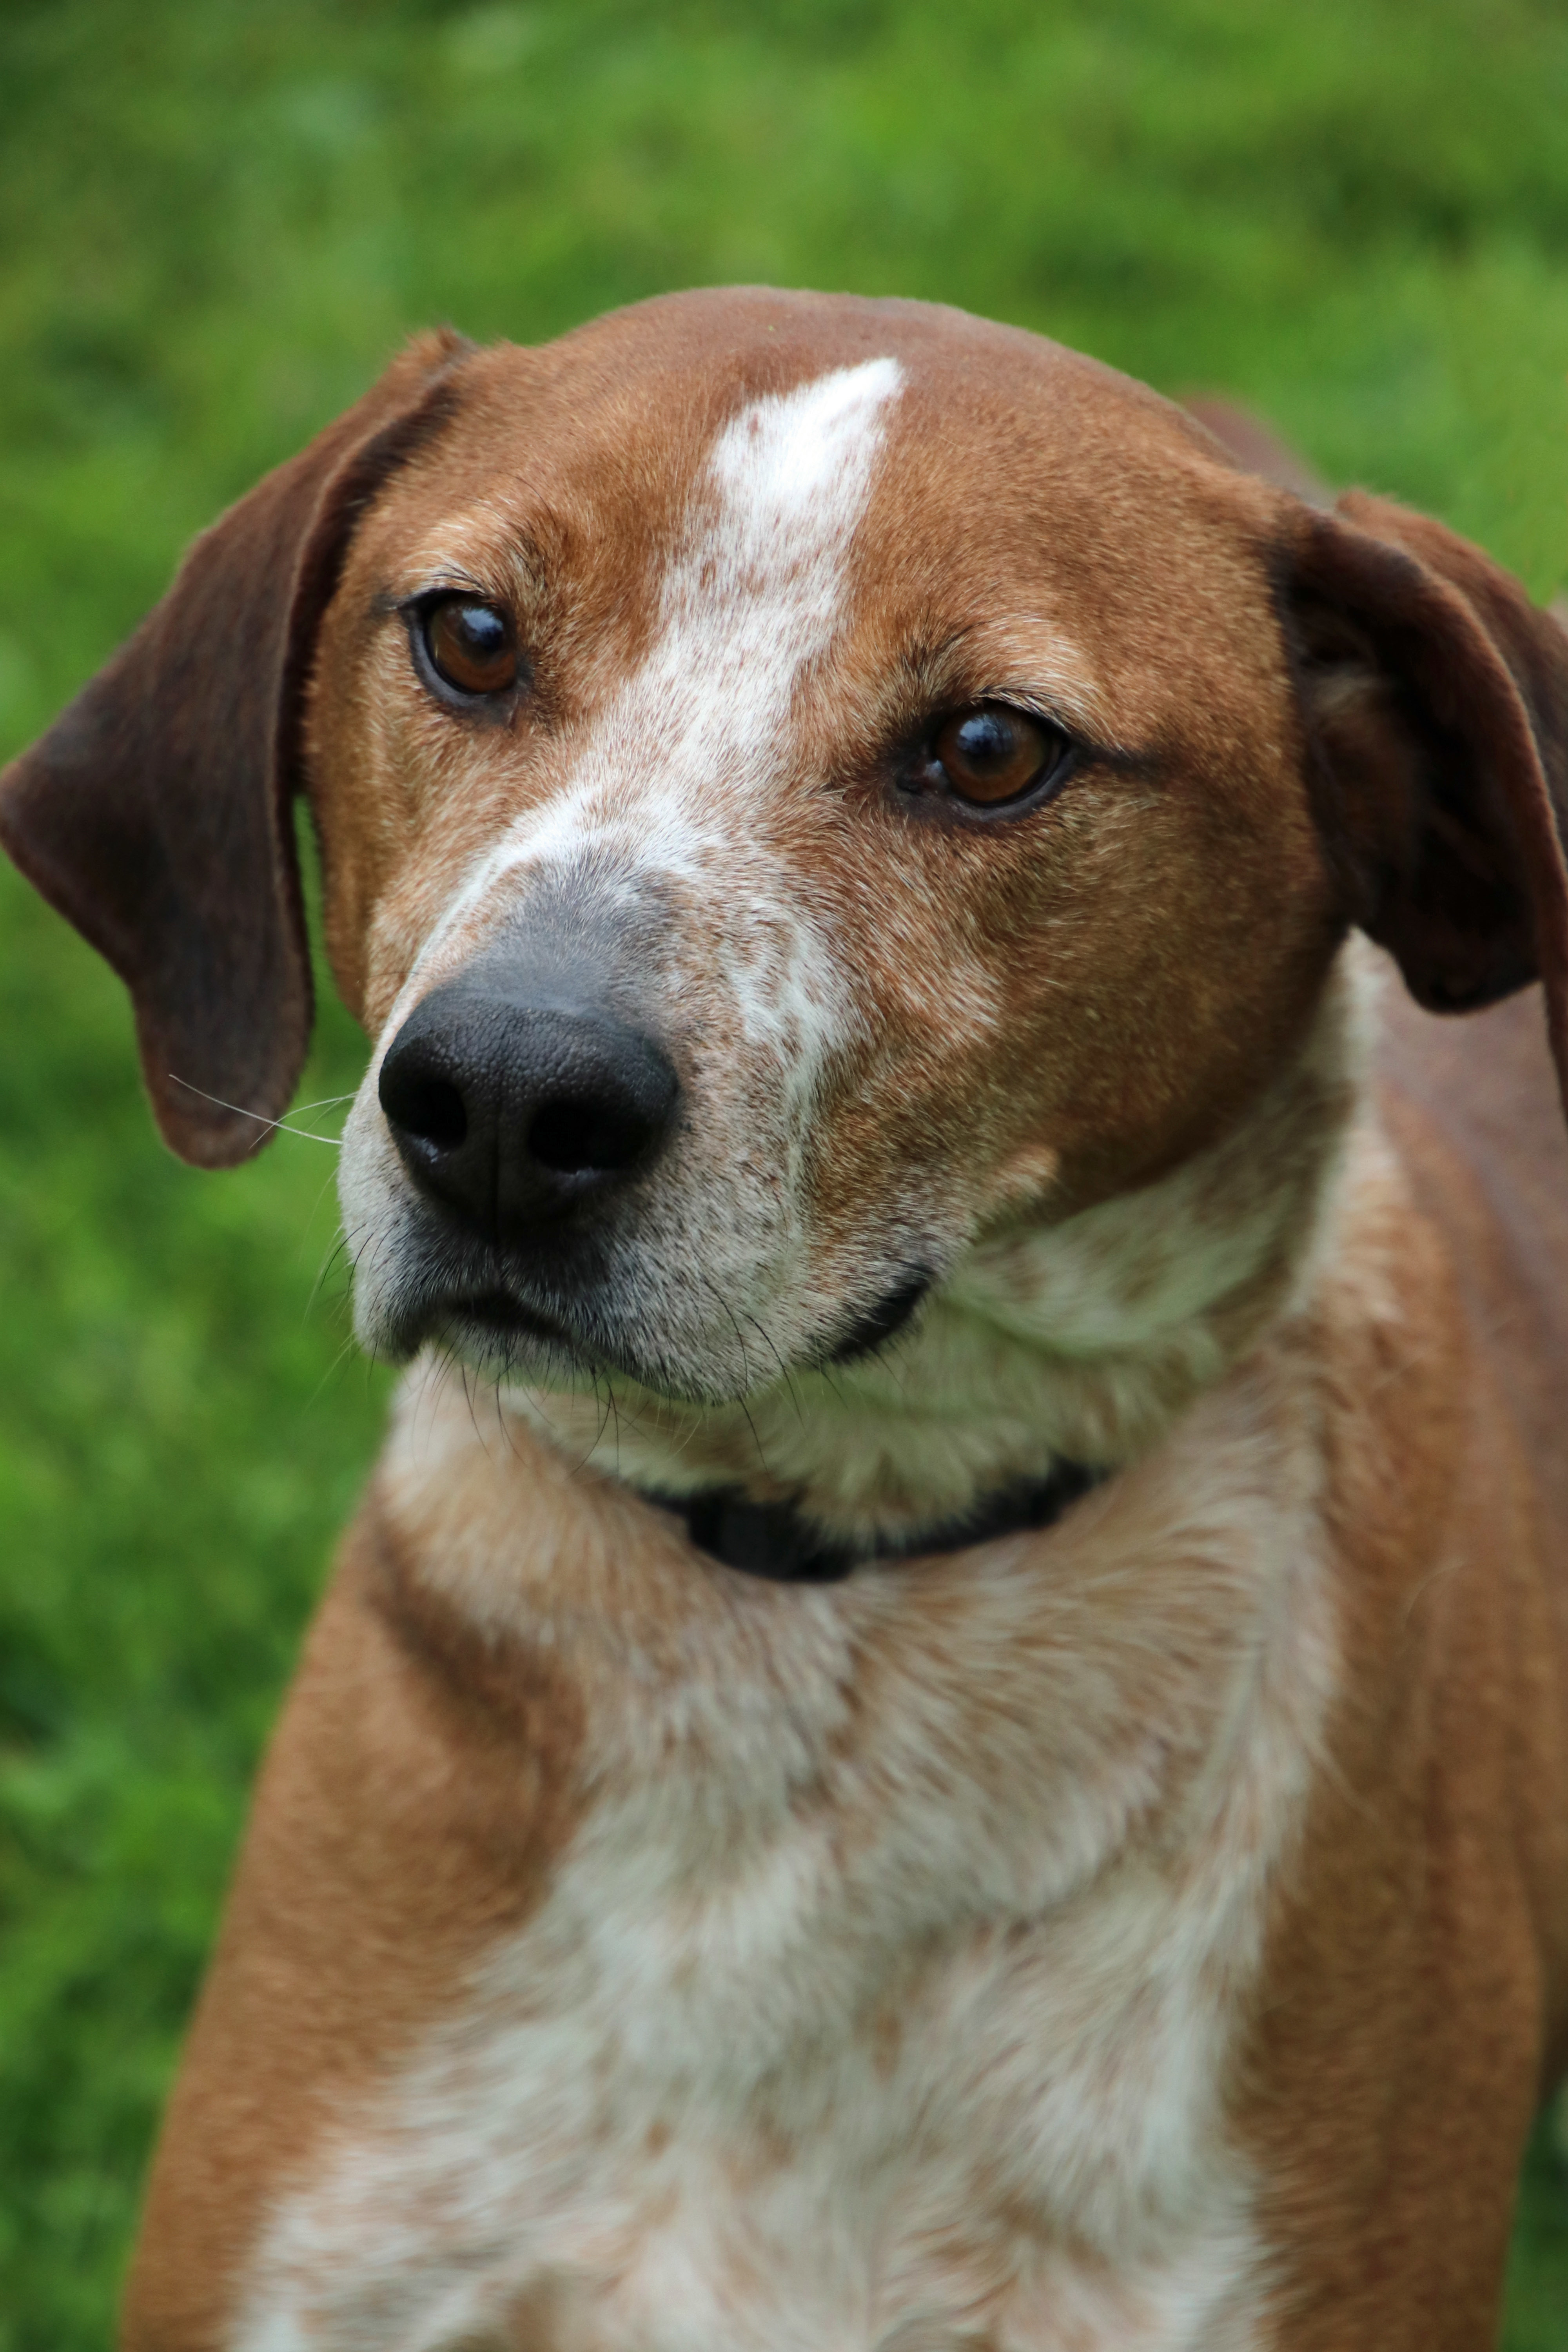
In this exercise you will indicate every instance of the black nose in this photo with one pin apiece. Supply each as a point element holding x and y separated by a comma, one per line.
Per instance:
<point>512,1113</point>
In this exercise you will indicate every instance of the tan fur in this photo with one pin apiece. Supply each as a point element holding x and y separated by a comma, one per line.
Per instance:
<point>1151,1932</point>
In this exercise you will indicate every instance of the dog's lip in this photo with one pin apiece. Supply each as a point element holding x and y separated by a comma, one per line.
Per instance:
<point>495,1314</point>
<point>506,1321</point>
<point>494,1309</point>
<point>499,1311</point>
<point>880,1322</point>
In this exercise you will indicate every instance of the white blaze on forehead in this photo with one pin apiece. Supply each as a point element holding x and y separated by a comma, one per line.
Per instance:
<point>756,589</point>
<point>793,473</point>
<point>797,465</point>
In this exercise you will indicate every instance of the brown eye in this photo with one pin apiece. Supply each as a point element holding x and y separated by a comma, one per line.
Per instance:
<point>471,645</point>
<point>992,753</point>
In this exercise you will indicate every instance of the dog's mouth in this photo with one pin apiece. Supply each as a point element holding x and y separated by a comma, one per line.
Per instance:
<point>496,1311</point>
<point>504,1333</point>
<point>508,1338</point>
<point>494,1324</point>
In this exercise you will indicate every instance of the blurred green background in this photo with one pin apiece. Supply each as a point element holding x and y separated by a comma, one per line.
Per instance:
<point>215,221</point>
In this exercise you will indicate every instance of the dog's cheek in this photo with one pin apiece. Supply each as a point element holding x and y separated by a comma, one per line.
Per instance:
<point>1157,989</point>
<point>1061,1007</point>
<point>896,1160</point>
<point>948,1075</point>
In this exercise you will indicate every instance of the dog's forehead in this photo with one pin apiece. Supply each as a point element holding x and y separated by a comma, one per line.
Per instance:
<point>951,446</point>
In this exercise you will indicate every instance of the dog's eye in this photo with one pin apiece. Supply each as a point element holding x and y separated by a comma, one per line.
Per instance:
<point>992,753</point>
<point>471,645</point>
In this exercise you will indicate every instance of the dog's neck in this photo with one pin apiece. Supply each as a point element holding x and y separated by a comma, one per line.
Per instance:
<point>1077,1341</point>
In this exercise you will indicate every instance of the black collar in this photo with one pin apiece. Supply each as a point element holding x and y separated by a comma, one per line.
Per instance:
<point>775,1539</point>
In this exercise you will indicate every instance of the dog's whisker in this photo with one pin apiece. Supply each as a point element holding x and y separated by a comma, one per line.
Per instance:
<point>756,1441</point>
<point>716,1293</point>
<point>349,1347</point>
<point>785,1373</point>
<point>315,1209</point>
<point>279,1126</point>
<point>334,1256</point>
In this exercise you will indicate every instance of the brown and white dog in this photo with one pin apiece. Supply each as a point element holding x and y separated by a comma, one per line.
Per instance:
<point>846,825</point>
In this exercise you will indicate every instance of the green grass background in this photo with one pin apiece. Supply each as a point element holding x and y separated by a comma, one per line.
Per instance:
<point>215,221</point>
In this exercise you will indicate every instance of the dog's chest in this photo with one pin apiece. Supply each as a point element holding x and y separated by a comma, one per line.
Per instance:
<point>882,2000</point>
<point>677,2127</point>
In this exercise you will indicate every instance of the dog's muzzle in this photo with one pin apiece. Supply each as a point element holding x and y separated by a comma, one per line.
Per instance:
<point>517,1107</point>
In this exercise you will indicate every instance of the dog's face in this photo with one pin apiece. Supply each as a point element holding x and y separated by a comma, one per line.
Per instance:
<point>807,787</point>
<point>842,725</point>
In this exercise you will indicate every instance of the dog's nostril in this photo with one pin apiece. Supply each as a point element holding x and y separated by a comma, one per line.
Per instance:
<point>430,1108</point>
<point>570,1138</point>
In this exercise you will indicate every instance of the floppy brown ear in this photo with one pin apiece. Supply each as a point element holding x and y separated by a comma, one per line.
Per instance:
<point>1436,700</point>
<point>155,812</point>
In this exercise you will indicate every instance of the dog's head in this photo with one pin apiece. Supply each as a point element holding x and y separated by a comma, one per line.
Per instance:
<point>802,784</point>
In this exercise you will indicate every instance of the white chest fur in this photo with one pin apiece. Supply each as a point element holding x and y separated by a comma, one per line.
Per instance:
<point>884,1999</point>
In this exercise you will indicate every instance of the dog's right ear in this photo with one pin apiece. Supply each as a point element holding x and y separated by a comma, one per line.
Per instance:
<point>1435,697</point>
<point>1435,702</point>
<point>155,815</point>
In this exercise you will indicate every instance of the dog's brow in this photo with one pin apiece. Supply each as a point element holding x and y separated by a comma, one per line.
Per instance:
<point>1033,660</point>
<point>429,578</point>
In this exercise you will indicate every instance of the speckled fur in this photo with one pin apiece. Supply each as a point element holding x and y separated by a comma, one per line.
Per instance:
<point>1147,1934</point>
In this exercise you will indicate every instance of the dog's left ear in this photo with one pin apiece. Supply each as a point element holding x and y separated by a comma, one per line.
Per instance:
<point>1435,701</point>
<point>156,813</point>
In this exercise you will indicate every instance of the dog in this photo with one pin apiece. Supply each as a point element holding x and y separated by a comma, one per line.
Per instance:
<point>945,1724</point>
